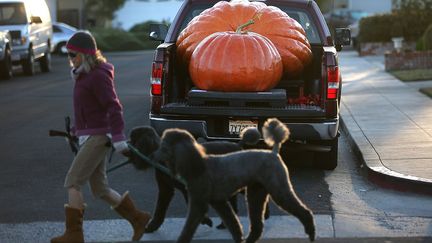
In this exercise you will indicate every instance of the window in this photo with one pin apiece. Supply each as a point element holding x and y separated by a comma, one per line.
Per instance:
<point>56,29</point>
<point>12,14</point>
<point>305,21</point>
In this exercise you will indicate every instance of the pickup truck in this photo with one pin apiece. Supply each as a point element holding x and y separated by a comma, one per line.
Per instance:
<point>308,105</point>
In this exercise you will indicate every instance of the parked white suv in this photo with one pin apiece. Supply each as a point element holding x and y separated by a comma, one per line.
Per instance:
<point>29,24</point>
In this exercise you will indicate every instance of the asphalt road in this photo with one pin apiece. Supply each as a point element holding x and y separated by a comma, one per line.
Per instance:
<point>33,165</point>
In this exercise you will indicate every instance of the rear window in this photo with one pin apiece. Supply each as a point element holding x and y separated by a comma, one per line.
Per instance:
<point>300,15</point>
<point>303,18</point>
<point>12,14</point>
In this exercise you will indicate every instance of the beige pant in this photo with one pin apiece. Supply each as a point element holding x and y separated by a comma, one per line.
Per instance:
<point>89,166</point>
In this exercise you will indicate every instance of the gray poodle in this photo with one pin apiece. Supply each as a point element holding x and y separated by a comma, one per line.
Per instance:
<point>146,140</point>
<point>213,179</point>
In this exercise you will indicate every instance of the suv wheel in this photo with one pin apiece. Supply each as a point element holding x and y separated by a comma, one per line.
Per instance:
<point>45,62</point>
<point>6,65</point>
<point>328,160</point>
<point>28,64</point>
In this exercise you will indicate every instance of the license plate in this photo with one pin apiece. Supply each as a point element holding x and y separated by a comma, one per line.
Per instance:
<point>235,127</point>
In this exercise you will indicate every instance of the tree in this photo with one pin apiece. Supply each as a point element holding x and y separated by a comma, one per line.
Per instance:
<point>325,5</point>
<point>414,17</point>
<point>412,5</point>
<point>102,12</point>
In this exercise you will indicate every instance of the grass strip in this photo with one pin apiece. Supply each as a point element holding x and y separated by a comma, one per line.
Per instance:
<point>413,75</point>
<point>427,91</point>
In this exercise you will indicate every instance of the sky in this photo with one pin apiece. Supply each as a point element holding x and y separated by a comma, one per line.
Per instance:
<point>138,11</point>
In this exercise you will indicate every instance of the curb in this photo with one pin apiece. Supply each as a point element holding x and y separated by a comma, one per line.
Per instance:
<point>376,172</point>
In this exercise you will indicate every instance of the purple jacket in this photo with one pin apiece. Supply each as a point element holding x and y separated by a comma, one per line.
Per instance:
<point>97,108</point>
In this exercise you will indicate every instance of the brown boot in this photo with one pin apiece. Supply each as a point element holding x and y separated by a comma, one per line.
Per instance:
<point>74,221</point>
<point>136,218</point>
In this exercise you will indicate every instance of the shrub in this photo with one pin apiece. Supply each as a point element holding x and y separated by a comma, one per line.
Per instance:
<point>117,40</point>
<point>424,43</point>
<point>145,27</point>
<point>142,31</point>
<point>409,20</point>
<point>376,28</point>
<point>142,27</point>
<point>420,44</point>
<point>427,38</point>
<point>101,43</point>
<point>144,38</point>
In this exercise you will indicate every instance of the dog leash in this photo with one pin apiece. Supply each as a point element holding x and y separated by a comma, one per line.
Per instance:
<point>73,143</point>
<point>113,168</point>
<point>156,165</point>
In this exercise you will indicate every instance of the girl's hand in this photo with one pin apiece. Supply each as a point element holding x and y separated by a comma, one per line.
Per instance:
<point>122,147</point>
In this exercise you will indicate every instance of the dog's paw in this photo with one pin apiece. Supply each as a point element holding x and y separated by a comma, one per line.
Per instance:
<point>311,233</point>
<point>207,221</point>
<point>152,227</point>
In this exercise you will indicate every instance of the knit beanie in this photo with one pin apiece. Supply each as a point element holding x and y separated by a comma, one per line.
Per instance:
<point>82,42</point>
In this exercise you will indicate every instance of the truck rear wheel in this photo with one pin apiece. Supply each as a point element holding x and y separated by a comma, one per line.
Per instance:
<point>45,61</point>
<point>328,160</point>
<point>6,65</point>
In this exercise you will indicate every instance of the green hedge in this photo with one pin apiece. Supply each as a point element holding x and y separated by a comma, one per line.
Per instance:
<point>381,28</point>
<point>375,28</point>
<point>120,40</point>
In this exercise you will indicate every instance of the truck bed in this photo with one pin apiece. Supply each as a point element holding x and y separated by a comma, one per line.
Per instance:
<point>185,99</point>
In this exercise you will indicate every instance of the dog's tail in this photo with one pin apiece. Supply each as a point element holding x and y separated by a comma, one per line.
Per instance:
<point>249,136</point>
<point>275,133</point>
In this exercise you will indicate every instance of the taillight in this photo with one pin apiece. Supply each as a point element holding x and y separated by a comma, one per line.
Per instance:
<point>332,82</point>
<point>156,78</point>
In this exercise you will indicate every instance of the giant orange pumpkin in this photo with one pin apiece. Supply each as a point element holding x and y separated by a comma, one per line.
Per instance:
<point>235,61</point>
<point>286,34</point>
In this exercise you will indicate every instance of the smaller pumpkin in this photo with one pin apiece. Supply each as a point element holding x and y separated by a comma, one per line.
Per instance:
<point>235,62</point>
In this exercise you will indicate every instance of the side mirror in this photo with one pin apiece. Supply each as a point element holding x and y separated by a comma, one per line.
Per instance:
<point>342,38</point>
<point>158,32</point>
<point>35,20</point>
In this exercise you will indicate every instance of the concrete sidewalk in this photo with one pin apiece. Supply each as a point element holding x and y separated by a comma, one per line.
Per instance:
<point>389,124</point>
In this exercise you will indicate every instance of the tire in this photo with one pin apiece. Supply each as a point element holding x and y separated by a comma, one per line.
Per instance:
<point>61,48</point>
<point>6,65</point>
<point>45,62</point>
<point>328,160</point>
<point>28,65</point>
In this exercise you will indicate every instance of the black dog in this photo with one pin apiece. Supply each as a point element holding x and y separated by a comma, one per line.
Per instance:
<point>147,141</point>
<point>213,179</point>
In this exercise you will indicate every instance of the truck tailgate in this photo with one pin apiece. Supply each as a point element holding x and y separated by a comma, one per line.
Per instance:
<point>271,103</point>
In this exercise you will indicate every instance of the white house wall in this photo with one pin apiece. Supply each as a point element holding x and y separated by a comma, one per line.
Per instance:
<point>52,5</point>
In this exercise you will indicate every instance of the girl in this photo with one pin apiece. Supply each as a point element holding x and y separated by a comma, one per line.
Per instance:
<point>98,115</point>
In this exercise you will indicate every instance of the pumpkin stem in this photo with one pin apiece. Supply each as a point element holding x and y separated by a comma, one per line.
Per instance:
<point>257,16</point>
